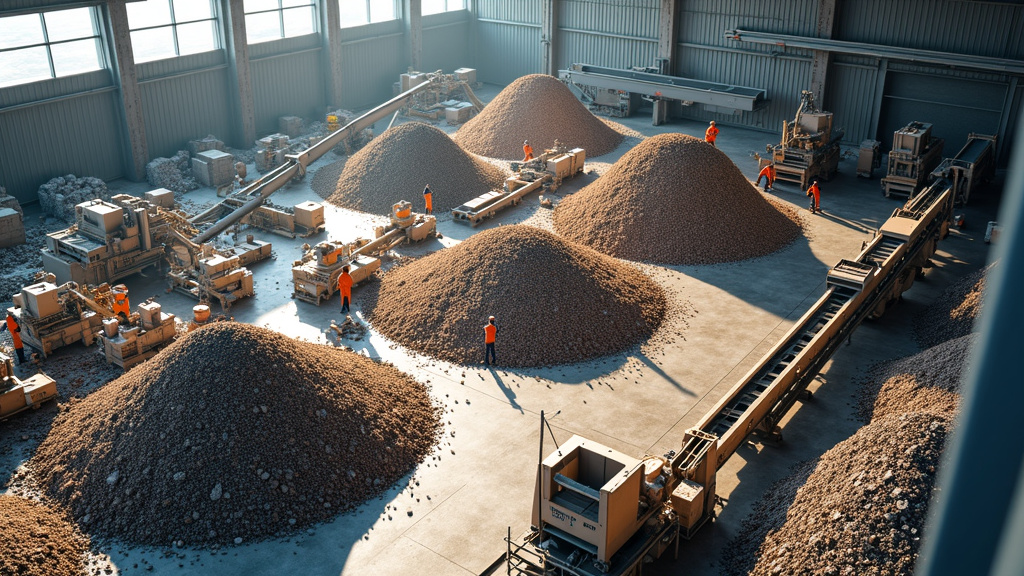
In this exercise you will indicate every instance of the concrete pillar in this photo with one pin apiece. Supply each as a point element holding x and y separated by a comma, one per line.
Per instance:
<point>822,58</point>
<point>241,74</point>
<point>549,37</point>
<point>412,16</point>
<point>668,31</point>
<point>331,26</point>
<point>134,124</point>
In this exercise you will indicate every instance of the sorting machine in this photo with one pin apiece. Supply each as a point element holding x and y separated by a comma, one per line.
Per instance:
<point>597,511</point>
<point>316,274</point>
<point>127,341</point>
<point>972,165</point>
<point>543,172</point>
<point>809,149</point>
<point>17,394</point>
<point>618,92</point>
<point>915,153</point>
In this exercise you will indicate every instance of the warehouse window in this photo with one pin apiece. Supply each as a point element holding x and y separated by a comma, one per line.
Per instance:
<point>267,20</point>
<point>439,6</point>
<point>48,45</point>
<point>359,12</point>
<point>169,28</point>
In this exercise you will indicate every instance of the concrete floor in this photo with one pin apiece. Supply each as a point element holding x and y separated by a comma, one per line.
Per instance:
<point>454,511</point>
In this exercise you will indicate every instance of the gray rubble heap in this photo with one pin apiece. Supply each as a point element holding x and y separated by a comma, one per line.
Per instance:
<point>59,196</point>
<point>174,173</point>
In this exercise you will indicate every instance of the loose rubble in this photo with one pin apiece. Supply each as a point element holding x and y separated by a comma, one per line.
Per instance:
<point>541,109</point>
<point>928,381</point>
<point>234,432</point>
<point>400,162</point>
<point>861,511</point>
<point>21,262</point>
<point>59,196</point>
<point>954,311</point>
<point>38,540</point>
<point>554,302</point>
<point>174,173</point>
<point>674,199</point>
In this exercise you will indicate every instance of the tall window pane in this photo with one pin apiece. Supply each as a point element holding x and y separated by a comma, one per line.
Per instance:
<point>25,65</point>
<point>262,27</point>
<point>196,37</point>
<point>153,44</point>
<point>75,57</point>
<point>353,12</point>
<point>299,21</point>
<point>23,30</point>
<point>258,5</point>
<point>148,13</point>
<point>45,45</point>
<point>382,10</point>
<point>68,24</point>
<point>432,6</point>
<point>191,30</point>
<point>192,10</point>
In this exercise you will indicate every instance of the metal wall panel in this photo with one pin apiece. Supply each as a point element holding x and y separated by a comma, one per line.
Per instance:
<point>638,18</point>
<point>79,135</point>
<point>850,97</point>
<point>180,65</point>
<point>980,28</point>
<point>507,51</point>
<point>446,44</point>
<point>602,50</point>
<point>370,67</point>
<point>54,88</point>
<point>287,85</point>
<point>11,6</point>
<point>619,35</point>
<point>184,107</point>
<point>522,11</point>
<point>705,21</point>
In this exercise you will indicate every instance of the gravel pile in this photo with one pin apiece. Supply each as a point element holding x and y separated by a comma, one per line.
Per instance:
<point>541,109</point>
<point>174,173</point>
<point>398,164</point>
<point>675,199</point>
<point>21,262</point>
<point>954,311</point>
<point>234,433</point>
<point>59,196</point>
<point>928,381</point>
<point>862,509</point>
<point>325,179</point>
<point>555,302</point>
<point>36,540</point>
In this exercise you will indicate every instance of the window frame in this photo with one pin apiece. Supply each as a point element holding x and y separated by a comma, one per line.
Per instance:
<point>173,25</point>
<point>97,38</point>
<point>315,4</point>
<point>396,14</point>
<point>447,9</point>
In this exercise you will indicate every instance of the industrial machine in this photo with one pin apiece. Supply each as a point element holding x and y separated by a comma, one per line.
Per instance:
<point>809,149</point>
<point>448,96</point>
<point>598,512</point>
<point>618,92</point>
<point>17,394</point>
<point>972,165</point>
<point>127,341</point>
<point>869,159</point>
<point>915,153</point>
<point>304,219</point>
<point>315,275</point>
<point>545,171</point>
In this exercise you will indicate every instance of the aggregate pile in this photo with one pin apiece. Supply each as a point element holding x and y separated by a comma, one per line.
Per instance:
<point>954,312</point>
<point>541,109</point>
<point>36,540</point>
<point>401,161</point>
<point>554,302</point>
<point>675,199</point>
<point>862,509</point>
<point>928,381</point>
<point>174,173</point>
<point>234,433</point>
<point>60,195</point>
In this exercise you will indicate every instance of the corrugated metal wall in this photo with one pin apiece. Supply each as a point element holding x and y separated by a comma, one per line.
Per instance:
<point>980,28</point>
<point>287,80</point>
<point>619,35</point>
<point>56,127</point>
<point>508,37</point>
<point>184,99</point>
<point>704,53</point>
<point>446,42</point>
<point>372,59</point>
<point>852,83</point>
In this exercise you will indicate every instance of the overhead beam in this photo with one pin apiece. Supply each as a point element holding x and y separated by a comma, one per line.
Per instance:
<point>241,74</point>
<point>134,123</point>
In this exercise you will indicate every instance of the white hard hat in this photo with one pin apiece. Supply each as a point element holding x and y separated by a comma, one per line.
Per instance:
<point>490,317</point>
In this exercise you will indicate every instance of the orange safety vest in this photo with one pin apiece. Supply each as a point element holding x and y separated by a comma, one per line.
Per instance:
<point>13,328</point>
<point>711,133</point>
<point>490,331</point>
<point>345,284</point>
<point>768,172</point>
<point>427,199</point>
<point>527,152</point>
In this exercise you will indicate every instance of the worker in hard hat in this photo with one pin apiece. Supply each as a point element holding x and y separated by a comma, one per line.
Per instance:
<point>121,307</point>
<point>768,173</point>
<point>345,287</point>
<point>711,133</point>
<point>428,199</point>
<point>814,193</point>
<point>14,328</point>
<point>527,151</point>
<point>490,333</point>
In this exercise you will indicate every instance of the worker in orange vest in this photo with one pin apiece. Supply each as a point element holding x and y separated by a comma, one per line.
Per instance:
<point>768,173</point>
<point>121,306</point>
<point>815,195</point>
<point>490,332</point>
<point>345,287</point>
<point>711,133</point>
<point>428,198</point>
<point>15,329</point>
<point>527,151</point>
